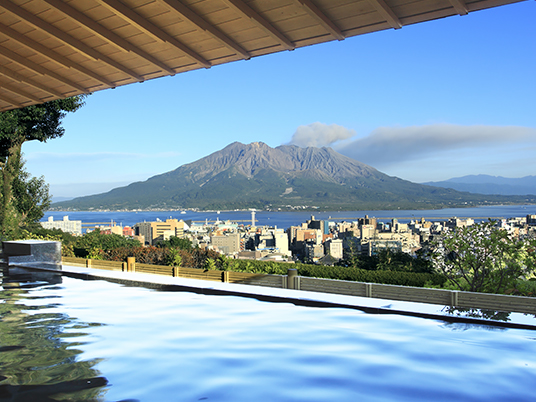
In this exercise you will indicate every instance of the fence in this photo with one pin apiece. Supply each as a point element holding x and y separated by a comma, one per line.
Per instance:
<point>454,298</point>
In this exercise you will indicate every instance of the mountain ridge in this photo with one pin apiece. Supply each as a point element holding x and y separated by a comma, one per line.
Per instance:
<point>486,184</point>
<point>255,175</point>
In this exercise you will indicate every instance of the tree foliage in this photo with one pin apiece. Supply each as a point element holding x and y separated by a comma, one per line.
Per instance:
<point>386,260</point>
<point>175,242</point>
<point>36,122</point>
<point>95,244</point>
<point>30,195</point>
<point>484,258</point>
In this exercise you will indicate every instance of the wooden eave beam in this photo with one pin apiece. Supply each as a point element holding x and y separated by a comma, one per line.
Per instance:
<point>383,8</point>
<point>322,18</point>
<point>260,21</point>
<point>187,14</point>
<point>73,43</point>
<point>152,30</point>
<point>106,34</point>
<point>8,100</point>
<point>14,89</point>
<point>51,55</point>
<point>20,78</point>
<point>30,65</point>
<point>459,6</point>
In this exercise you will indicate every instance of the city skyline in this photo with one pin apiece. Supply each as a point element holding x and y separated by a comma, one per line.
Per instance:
<point>428,102</point>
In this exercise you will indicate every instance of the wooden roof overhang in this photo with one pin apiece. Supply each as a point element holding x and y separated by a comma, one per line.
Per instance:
<point>52,49</point>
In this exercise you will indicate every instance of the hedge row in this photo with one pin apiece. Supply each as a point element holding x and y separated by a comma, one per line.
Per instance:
<point>341,273</point>
<point>197,258</point>
<point>362,275</point>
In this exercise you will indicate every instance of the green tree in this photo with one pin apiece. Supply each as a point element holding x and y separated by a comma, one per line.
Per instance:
<point>484,258</point>
<point>36,122</point>
<point>95,244</point>
<point>175,242</point>
<point>30,196</point>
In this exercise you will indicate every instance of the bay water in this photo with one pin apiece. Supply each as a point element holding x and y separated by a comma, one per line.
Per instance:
<point>286,219</point>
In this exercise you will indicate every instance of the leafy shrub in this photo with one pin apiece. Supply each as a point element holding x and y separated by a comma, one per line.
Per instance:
<point>361,275</point>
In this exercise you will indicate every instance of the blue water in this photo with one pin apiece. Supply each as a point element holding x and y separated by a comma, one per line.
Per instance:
<point>148,345</point>
<point>287,219</point>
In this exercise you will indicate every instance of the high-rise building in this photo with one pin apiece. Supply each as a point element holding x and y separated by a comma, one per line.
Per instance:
<point>227,243</point>
<point>160,230</point>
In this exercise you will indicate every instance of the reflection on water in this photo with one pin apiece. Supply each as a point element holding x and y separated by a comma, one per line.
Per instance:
<point>478,313</point>
<point>179,346</point>
<point>37,362</point>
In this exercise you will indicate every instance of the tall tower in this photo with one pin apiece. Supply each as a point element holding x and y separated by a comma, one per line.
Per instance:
<point>252,218</point>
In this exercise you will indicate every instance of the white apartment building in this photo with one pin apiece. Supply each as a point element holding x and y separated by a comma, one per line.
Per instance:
<point>74,227</point>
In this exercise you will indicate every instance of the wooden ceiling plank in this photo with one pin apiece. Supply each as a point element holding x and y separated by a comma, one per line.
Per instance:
<point>20,78</point>
<point>51,55</point>
<point>9,101</point>
<point>106,34</point>
<point>186,13</point>
<point>459,6</point>
<point>75,44</point>
<point>387,12</point>
<point>16,90</point>
<point>259,20</point>
<point>150,29</point>
<point>322,18</point>
<point>30,65</point>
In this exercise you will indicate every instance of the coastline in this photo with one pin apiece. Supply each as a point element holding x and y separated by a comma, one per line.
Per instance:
<point>285,219</point>
<point>296,209</point>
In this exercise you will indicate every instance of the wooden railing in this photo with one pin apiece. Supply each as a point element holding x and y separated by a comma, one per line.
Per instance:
<point>454,298</point>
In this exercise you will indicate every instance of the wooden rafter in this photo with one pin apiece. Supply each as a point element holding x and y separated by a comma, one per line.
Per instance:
<point>188,14</point>
<point>459,6</point>
<point>51,55</point>
<point>106,34</point>
<point>150,29</point>
<point>73,43</point>
<point>52,49</point>
<point>383,8</point>
<point>30,65</point>
<point>20,78</point>
<point>8,100</point>
<point>322,18</point>
<point>260,21</point>
<point>16,90</point>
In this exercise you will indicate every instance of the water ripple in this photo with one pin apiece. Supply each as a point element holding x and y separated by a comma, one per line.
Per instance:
<point>179,346</point>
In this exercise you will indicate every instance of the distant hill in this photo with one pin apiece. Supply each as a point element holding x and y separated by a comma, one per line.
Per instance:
<point>484,184</point>
<point>60,199</point>
<point>258,176</point>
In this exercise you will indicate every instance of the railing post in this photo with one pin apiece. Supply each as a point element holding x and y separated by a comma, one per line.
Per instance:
<point>88,263</point>
<point>454,298</point>
<point>292,273</point>
<point>131,264</point>
<point>124,267</point>
<point>176,271</point>
<point>368,289</point>
<point>225,276</point>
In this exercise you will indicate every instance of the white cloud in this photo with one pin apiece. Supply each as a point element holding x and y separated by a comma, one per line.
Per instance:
<point>320,135</point>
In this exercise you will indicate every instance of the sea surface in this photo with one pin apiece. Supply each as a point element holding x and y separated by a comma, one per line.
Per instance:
<point>69,339</point>
<point>286,219</point>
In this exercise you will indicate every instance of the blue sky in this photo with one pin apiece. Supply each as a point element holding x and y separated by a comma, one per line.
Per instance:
<point>428,102</point>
